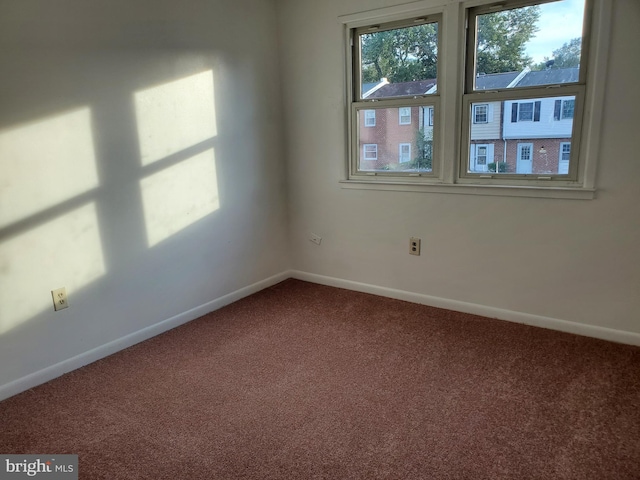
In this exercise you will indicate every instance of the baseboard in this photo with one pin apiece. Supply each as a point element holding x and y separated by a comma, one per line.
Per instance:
<point>603,333</point>
<point>42,376</point>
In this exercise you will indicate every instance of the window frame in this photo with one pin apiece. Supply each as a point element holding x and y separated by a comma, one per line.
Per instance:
<point>431,100</point>
<point>448,174</point>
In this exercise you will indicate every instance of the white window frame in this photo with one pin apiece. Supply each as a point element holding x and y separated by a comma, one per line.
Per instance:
<point>364,151</point>
<point>430,117</point>
<point>453,103</point>
<point>402,113</point>
<point>400,155</point>
<point>486,113</point>
<point>369,119</point>
<point>486,153</point>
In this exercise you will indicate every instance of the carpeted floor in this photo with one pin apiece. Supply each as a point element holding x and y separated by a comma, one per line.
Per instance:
<point>302,381</point>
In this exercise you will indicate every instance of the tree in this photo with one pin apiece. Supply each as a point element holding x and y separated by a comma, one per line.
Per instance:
<point>400,55</point>
<point>502,39</point>
<point>568,55</point>
<point>410,53</point>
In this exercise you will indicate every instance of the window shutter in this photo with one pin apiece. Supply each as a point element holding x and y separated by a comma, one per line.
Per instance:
<point>536,112</point>
<point>490,113</point>
<point>490,153</point>
<point>556,110</point>
<point>514,112</point>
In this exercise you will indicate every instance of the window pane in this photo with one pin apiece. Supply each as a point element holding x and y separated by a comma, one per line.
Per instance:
<point>398,147</point>
<point>523,136</point>
<point>400,62</point>
<point>529,46</point>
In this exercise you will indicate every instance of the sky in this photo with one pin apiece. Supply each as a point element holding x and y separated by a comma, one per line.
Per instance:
<point>559,22</point>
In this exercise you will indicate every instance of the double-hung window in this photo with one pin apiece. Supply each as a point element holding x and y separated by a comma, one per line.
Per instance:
<point>404,99</point>
<point>513,106</point>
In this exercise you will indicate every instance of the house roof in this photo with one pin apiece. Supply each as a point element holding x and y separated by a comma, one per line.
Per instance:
<point>400,89</point>
<point>550,76</point>
<point>495,80</point>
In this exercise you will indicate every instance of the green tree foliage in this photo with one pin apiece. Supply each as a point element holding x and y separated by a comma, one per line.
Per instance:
<point>502,39</point>
<point>400,55</point>
<point>409,54</point>
<point>568,55</point>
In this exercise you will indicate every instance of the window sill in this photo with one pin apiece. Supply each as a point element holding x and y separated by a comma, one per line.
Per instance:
<point>570,193</point>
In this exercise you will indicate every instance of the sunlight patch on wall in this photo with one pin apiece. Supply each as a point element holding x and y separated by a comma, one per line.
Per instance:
<point>179,195</point>
<point>45,163</point>
<point>65,252</point>
<point>175,116</point>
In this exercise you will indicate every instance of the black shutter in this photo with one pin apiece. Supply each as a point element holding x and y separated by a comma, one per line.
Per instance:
<point>536,112</point>
<point>514,112</point>
<point>556,110</point>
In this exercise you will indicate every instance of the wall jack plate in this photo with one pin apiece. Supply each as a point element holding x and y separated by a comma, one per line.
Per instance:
<point>59,298</point>
<point>414,246</point>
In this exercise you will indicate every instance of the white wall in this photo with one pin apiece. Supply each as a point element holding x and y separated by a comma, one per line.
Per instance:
<point>141,159</point>
<point>573,260</point>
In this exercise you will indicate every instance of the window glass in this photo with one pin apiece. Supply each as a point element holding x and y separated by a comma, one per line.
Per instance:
<point>399,62</point>
<point>398,148</point>
<point>529,138</point>
<point>545,40</point>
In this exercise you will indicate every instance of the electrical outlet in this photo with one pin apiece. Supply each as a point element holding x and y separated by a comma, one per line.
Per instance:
<point>59,298</point>
<point>315,238</point>
<point>414,246</point>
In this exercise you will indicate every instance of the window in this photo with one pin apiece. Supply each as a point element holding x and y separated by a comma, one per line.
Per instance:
<point>370,151</point>
<point>369,118</point>
<point>567,108</point>
<point>404,152</point>
<point>502,102</point>
<point>430,117</point>
<point>481,113</point>
<point>405,104</point>
<point>404,116</point>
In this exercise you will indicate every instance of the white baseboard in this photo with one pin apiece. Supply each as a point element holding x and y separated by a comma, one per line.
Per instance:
<point>42,376</point>
<point>603,333</point>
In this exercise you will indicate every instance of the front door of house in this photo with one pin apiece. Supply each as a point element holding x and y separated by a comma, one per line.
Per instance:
<point>524,161</point>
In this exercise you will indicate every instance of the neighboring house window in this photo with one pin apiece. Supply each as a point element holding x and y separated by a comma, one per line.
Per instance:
<point>513,111</point>
<point>370,151</point>
<point>563,109</point>
<point>369,118</point>
<point>404,153</point>
<point>480,113</point>
<point>404,115</point>
<point>525,111</point>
